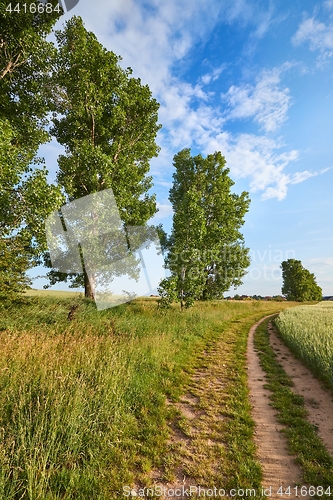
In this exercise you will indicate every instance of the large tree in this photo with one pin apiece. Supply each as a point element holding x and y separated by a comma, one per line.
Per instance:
<point>298,283</point>
<point>206,249</point>
<point>107,122</point>
<point>26,198</point>
<point>25,57</point>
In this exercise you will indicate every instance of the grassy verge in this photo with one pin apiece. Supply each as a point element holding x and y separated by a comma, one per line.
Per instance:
<point>217,448</point>
<point>303,440</point>
<point>82,402</point>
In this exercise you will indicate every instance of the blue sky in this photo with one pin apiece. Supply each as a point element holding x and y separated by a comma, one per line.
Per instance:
<point>253,80</point>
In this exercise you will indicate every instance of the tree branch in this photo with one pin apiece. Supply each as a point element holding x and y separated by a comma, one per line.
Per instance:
<point>11,65</point>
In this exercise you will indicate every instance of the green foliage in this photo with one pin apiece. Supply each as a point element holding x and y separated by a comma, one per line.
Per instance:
<point>25,58</point>
<point>14,261</point>
<point>26,199</point>
<point>107,122</point>
<point>298,283</point>
<point>206,249</point>
<point>25,196</point>
<point>168,292</point>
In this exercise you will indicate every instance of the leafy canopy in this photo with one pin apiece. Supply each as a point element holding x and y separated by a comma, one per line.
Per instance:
<point>298,283</point>
<point>206,249</point>
<point>107,122</point>
<point>26,198</point>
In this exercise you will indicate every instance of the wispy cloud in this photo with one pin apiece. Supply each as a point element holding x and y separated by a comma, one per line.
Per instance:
<point>213,75</point>
<point>318,34</point>
<point>164,210</point>
<point>328,4</point>
<point>302,176</point>
<point>257,158</point>
<point>266,102</point>
<point>152,38</point>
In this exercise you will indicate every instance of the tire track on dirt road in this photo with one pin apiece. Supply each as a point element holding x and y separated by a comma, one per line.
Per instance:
<point>279,467</point>
<point>318,401</point>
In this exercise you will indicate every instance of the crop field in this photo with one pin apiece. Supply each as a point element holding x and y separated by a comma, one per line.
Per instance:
<point>308,332</point>
<point>83,397</point>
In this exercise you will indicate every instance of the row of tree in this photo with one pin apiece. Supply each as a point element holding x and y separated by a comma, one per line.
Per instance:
<point>107,122</point>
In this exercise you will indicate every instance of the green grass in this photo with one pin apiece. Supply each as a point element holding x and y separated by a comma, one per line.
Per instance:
<point>308,332</point>
<point>302,437</point>
<point>83,409</point>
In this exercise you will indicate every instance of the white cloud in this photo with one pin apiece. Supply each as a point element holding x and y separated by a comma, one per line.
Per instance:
<point>214,75</point>
<point>328,4</point>
<point>164,211</point>
<point>302,176</point>
<point>153,37</point>
<point>259,159</point>
<point>265,101</point>
<point>327,262</point>
<point>318,34</point>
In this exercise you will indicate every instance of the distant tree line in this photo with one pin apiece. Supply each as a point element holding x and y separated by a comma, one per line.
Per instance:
<point>277,298</point>
<point>298,285</point>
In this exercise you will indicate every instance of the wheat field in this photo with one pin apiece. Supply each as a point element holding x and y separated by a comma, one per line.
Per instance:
<point>308,331</point>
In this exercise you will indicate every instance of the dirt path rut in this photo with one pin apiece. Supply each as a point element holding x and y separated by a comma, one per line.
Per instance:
<point>196,446</point>
<point>318,401</point>
<point>279,468</point>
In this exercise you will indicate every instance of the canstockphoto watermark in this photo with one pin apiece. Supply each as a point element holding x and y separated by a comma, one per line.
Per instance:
<point>66,5</point>
<point>231,254</point>
<point>188,492</point>
<point>263,272</point>
<point>87,236</point>
<point>183,492</point>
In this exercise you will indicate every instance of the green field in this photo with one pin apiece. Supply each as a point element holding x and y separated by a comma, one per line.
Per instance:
<point>83,402</point>
<point>308,332</point>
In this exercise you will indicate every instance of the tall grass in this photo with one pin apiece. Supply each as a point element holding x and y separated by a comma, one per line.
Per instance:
<point>308,331</point>
<point>83,401</point>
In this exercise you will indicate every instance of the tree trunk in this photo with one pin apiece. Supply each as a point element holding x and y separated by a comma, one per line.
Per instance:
<point>89,281</point>
<point>89,286</point>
